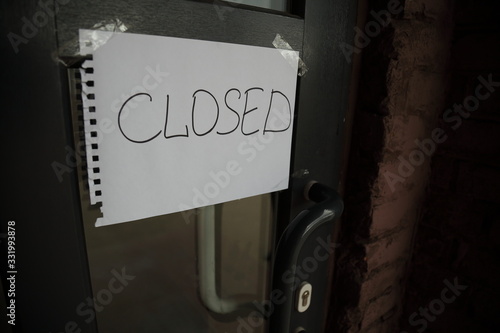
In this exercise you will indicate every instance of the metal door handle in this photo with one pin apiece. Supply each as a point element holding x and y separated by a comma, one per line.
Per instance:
<point>298,250</point>
<point>207,269</point>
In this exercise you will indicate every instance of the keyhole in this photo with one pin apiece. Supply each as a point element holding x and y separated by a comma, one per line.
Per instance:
<point>305,297</point>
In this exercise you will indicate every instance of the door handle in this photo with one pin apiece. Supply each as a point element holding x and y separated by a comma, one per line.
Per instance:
<point>299,287</point>
<point>207,269</point>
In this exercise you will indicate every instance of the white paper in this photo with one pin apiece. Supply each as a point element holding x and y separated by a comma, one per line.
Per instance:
<point>238,145</point>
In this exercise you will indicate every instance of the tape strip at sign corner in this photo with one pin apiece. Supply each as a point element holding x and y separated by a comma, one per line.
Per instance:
<point>283,46</point>
<point>69,53</point>
<point>90,40</point>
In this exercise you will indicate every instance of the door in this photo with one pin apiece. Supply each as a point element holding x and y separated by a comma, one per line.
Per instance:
<point>223,268</point>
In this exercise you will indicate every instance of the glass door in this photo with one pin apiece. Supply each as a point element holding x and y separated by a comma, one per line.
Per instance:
<point>215,269</point>
<point>203,270</point>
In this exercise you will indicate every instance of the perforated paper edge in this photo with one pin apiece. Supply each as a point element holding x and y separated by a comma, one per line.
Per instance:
<point>91,131</point>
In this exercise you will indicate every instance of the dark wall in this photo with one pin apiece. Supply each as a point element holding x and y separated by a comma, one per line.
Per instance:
<point>458,239</point>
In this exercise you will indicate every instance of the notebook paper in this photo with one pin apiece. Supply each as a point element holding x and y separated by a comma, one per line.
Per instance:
<point>173,124</point>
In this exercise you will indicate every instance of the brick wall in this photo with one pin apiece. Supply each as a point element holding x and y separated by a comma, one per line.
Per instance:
<point>459,234</point>
<point>402,89</point>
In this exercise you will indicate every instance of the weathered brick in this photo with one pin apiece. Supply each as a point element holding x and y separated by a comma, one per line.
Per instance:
<point>382,326</point>
<point>394,246</point>
<point>376,309</point>
<point>425,39</point>
<point>425,104</point>
<point>427,9</point>
<point>381,281</point>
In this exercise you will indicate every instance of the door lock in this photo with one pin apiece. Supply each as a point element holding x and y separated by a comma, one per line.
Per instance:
<point>304,294</point>
<point>295,247</point>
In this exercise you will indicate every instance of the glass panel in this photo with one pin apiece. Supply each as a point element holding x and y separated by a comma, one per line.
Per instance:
<point>243,261</point>
<point>148,276</point>
<point>244,258</point>
<point>270,4</point>
<point>145,274</point>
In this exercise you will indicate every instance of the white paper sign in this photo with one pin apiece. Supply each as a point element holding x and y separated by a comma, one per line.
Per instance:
<point>173,124</point>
